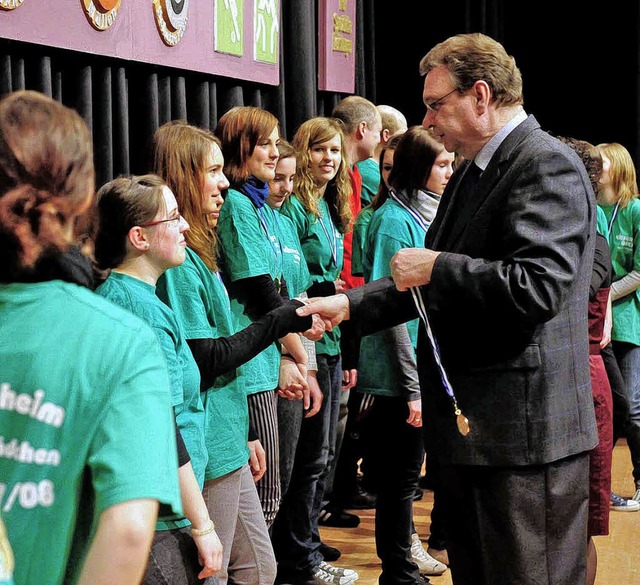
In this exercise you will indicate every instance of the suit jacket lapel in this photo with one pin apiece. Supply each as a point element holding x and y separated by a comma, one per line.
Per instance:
<point>449,230</point>
<point>444,216</point>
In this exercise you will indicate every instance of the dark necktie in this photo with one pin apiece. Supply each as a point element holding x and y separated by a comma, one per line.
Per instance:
<point>464,203</point>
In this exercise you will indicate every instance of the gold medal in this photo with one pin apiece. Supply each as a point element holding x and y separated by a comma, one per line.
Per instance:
<point>462,422</point>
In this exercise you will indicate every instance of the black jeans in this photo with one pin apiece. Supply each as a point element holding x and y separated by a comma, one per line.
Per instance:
<point>394,471</point>
<point>304,450</point>
<point>621,410</point>
<point>345,482</point>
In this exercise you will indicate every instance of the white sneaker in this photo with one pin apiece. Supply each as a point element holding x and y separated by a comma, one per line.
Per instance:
<point>623,505</point>
<point>426,563</point>
<point>330,574</point>
<point>636,496</point>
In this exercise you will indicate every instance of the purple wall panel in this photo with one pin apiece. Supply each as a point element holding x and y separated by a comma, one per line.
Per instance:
<point>337,45</point>
<point>134,36</point>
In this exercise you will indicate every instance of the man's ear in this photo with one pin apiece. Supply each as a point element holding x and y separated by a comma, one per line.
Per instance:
<point>385,135</point>
<point>482,93</point>
<point>361,129</point>
<point>138,238</point>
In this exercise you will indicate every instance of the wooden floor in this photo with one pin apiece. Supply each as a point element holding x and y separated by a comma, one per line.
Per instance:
<point>618,553</point>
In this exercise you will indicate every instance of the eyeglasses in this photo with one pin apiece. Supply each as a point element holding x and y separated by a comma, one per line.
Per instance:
<point>434,106</point>
<point>170,221</point>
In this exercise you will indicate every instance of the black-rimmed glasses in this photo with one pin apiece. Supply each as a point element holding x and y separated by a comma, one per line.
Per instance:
<point>434,106</point>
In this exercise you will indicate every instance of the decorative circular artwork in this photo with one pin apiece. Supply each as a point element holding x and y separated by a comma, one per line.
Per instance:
<point>171,18</point>
<point>10,4</point>
<point>101,14</point>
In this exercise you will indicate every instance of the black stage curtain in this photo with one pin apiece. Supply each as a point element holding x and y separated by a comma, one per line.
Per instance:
<point>124,102</point>
<point>566,61</point>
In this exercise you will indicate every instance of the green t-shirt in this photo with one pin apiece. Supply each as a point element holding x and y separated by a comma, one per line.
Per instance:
<point>391,228</point>
<point>623,235</point>
<point>323,248</point>
<point>296,272</point>
<point>359,236</point>
<point>85,422</point>
<point>602,226</point>
<point>201,305</point>
<point>140,298</point>
<point>370,172</point>
<point>249,246</point>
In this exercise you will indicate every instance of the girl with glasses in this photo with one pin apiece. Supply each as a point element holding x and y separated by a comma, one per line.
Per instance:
<point>141,235</point>
<point>77,373</point>
<point>190,161</point>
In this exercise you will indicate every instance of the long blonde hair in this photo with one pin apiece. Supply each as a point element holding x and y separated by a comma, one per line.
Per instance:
<point>339,190</point>
<point>179,156</point>
<point>622,171</point>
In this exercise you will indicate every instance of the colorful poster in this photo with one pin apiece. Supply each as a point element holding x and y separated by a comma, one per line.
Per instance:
<point>229,27</point>
<point>266,27</point>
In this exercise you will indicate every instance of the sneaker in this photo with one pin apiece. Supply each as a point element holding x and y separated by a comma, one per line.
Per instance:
<point>329,553</point>
<point>327,573</point>
<point>426,563</point>
<point>440,555</point>
<point>636,496</point>
<point>623,505</point>
<point>337,518</point>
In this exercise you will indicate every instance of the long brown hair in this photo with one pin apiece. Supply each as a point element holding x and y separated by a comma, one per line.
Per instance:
<point>46,180</point>
<point>339,190</point>
<point>413,161</point>
<point>179,155</point>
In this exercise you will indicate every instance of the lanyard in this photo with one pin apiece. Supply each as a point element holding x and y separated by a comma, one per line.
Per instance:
<point>613,217</point>
<point>276,251</point>
<point>333,239</point>
<point>461,421</point>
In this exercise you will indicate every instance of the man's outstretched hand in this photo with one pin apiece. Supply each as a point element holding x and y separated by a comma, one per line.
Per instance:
<point>332,310</point>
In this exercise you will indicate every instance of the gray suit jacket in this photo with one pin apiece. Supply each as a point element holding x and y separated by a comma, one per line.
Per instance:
<point>508,305</point>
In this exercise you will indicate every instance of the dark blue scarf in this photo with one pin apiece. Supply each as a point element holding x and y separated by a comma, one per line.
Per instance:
<point>256,190</point>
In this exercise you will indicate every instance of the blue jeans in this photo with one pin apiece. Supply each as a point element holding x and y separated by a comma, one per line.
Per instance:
<point>304,449</point>
<point>628,357</point>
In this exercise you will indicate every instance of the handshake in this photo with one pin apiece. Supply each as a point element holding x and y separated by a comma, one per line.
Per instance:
<point>410,267</point>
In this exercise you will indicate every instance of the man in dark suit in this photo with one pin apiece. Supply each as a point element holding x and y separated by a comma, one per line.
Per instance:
<point>505,280</point>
